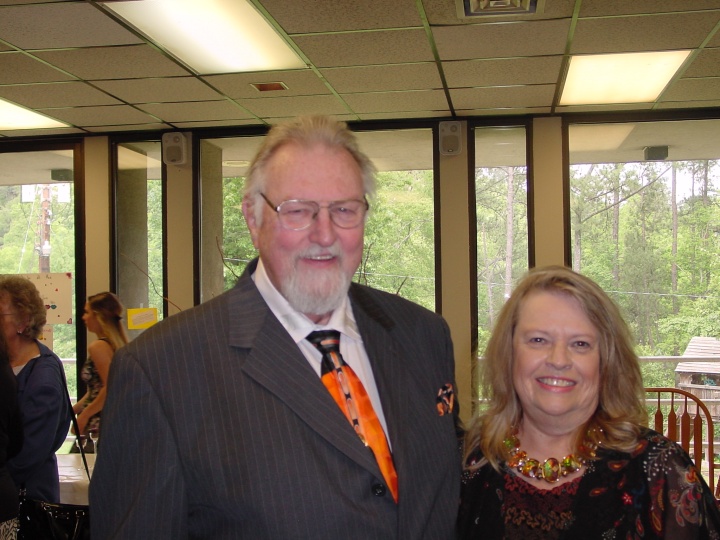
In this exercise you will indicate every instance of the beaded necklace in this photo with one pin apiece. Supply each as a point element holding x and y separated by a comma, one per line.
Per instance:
<point>551,470</point>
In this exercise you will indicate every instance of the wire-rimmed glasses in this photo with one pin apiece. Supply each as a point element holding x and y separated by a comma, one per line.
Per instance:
<point>297,214</point>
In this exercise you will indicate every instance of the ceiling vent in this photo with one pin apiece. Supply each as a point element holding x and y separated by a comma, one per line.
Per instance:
<point>480,8</point>
<point>269,86</point>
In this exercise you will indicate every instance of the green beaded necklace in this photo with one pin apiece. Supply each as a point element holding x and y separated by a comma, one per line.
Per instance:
<point>551,470</point>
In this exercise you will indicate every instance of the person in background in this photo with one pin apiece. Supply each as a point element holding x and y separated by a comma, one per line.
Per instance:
<point>10,443</point>
<point>298,404</point>
<point>103,317</point>
<point>562,451</point>
<point>42,390</point>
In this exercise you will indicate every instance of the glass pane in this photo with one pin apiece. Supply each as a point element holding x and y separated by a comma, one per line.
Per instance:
<point>140,227</point>
<point>226,246</point>
<point>399,250</point>
<point>645,210</point>
<point>400,232</point>
<point>501,212</point>
<point>37,236</point>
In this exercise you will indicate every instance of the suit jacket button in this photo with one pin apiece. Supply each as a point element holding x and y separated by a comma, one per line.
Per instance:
<point>379,490</point>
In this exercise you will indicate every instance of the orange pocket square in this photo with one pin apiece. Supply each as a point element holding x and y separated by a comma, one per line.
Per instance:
<point>445,400</point>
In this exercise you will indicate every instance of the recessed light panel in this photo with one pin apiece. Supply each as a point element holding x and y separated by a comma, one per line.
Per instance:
<point>620,78</point>
<point>211,36</point>
<point>15,117</point>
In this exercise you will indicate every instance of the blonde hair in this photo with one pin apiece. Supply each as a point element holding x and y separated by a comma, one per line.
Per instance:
<point>108,311</point>
<point>616,424</point>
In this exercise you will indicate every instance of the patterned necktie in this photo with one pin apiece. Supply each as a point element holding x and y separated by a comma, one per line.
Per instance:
<point>350,395</point>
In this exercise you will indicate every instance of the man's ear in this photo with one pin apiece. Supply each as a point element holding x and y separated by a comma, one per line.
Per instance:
<point>248,210</point>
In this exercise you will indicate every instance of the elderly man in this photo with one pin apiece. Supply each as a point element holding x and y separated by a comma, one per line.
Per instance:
<point>298,404</point>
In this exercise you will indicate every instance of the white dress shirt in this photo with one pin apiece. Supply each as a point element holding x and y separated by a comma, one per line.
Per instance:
<point>342,320</point>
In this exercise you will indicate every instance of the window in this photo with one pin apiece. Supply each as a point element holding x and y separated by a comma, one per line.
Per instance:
<point>501,195</point>
<point>645,217</point>
<point>139,226</point>
<point>37,236</point>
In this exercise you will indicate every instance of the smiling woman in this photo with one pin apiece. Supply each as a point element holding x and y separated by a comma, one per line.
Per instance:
<point>565,428</point>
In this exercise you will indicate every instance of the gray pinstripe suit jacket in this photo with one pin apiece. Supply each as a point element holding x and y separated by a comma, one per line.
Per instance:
<point>216,427</point>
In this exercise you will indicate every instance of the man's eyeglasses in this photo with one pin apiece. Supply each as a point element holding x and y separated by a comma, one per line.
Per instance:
<point>296,215</point>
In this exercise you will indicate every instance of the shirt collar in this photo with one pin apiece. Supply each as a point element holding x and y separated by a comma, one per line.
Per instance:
<point>297,324</point>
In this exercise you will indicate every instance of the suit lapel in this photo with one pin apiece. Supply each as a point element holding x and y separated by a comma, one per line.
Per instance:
<point>275,362</point>
<point>388,362</point>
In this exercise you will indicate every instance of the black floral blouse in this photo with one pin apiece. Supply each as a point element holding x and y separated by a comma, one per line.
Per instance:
<point>655,492</point>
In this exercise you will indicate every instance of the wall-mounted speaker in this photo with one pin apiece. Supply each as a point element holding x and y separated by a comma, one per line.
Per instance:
<point>656,153</point>
<point>450,138</point>
<point>174,148</point>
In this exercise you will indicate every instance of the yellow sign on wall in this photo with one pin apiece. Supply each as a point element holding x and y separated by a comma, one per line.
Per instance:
<point>141,318</point>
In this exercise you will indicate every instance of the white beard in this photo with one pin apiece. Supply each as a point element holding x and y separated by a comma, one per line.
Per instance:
<point>316,293</point>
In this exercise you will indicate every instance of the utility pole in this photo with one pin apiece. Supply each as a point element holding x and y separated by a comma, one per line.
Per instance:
<point>43,248</point>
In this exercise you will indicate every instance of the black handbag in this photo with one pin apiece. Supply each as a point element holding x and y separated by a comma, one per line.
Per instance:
<point>40,520</point>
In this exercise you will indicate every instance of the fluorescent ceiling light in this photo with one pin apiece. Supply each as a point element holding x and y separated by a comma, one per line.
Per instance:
<point>620,78</point>
<point>211,36</point>
<point>15,117</point>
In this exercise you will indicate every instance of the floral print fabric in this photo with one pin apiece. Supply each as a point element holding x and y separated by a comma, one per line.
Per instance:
<point>655,492</point>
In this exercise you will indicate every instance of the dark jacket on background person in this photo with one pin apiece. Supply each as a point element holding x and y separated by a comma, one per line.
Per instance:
<point>10,440</point>
<point>45,410</point>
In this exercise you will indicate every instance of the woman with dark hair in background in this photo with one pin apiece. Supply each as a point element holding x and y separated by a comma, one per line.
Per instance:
<point>102,317</point>
<point>42,390</point>
<point>10,443</point>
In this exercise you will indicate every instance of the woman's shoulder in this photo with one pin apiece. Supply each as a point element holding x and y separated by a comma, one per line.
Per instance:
<point>100,344</point>
<point>652,449</point>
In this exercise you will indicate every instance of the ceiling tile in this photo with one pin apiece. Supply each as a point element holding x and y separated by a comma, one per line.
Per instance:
<point>642,33</point>
<point>690,105</point>
<point>430,100</point>
<point>594,9</point>
<point>705,64</point>
<point>501,97</point>
<point>40,132</point>
<point>605,108</point>
<point>195,111</point>
<point>342,117</point>
<point>216,123</point>
<point>65,94</point>
<point>275,107</point>
<point>503,111</point>
<point>171,89</point>
<point>504,71</point>
<point>404,114</point>
<point>366,48</point>
<point>693,89</point>
<point>19,68</point>
<point>128,62</point>
<point>505,40</point>
<point>19,2</point>
<point>239,85</point>
<point>97,116</point>
<point>129,127</point>
<point>383,78</point>
<point>83,25</point>
<point>714,41</point>
<point>332,16</point>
